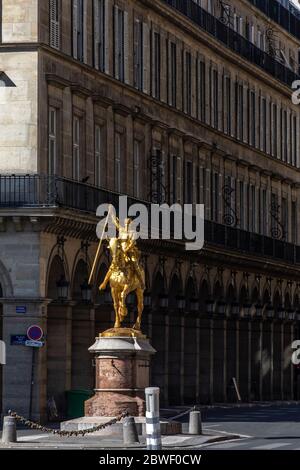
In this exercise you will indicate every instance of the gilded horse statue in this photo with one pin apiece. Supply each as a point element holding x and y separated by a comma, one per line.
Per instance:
<point>125,274</point>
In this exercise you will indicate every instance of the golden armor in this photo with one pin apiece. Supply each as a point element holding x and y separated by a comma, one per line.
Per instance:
<point>125,275</point>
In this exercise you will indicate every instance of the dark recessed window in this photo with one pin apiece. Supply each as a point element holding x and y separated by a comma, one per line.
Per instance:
<point>5,81</point>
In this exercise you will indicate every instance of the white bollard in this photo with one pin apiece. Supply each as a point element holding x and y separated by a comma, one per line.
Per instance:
<point>9,433</point>
<point>153,433</point>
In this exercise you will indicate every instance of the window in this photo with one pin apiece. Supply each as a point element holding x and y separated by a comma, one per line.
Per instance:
<point>174,179</point>
<point>54,6</point>
<point>99,34</point>
<point>242,205</point>
<point>274,130</point>
<point>201,95</point>
<point>188,183</point>
<point>118,161</point>
<point>240,115</point>
<point>215,197</point>
<point>136,168</point>
<point>294,223</point>
<point>119,49</point>
<point>264,218</point>
<point>187,83</point>
<point>76,148</point>
<point>284,146</point>
<point>252,208</point>
<point>98,155</point>
<point>52,130</point>
<point>264,124</point>
<point>172,90</point>
<point>204,185</point>
<point>227,105</point>
<point>156,63</point>
<point>274,206</point>
<point>285,218</point>
<point>215,101</point>
<point>78,30</point>
<point>295,140</point>
<point>252,120</point>
<point>198,185</point>
<point>138,54</point>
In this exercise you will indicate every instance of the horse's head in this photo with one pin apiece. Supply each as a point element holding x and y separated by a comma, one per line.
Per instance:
<point>116,251</point>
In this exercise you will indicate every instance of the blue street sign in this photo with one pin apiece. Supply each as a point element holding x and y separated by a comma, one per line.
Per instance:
<point>18,340</point>
<point>21,309</point>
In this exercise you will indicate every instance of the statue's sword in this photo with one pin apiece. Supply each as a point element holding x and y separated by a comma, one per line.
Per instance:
<point>99,248</point>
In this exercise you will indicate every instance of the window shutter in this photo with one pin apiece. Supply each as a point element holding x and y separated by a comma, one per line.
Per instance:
<point>116,43</point>
<point>107,28</point>
<point>75,29</point>
<point>126,48</point>
<point>54,24</point>
<point>96,33</point>
<point>136,61</point>
<point>146,58</point>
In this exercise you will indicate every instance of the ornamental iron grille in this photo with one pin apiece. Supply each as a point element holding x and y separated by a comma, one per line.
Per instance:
<point>277,229</point>
<point>225,14</point>
<point>230,216</point>
<point>157,173</point>
<point>271,39</point>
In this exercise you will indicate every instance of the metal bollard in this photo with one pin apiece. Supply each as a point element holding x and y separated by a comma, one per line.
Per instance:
<point>130,435</point>
<point>9,433</point>
<point>153,433</point>
<point>195,423</point>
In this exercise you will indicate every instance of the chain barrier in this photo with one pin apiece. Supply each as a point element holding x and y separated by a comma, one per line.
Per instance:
<point>39,427</point>
<point>194,408</point>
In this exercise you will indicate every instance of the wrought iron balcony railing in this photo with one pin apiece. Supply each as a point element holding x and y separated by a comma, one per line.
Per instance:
<point>289,19</point>
<point>234,40</point>
<point>43,191</point>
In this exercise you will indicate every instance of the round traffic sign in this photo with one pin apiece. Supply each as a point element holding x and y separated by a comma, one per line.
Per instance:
<point>35,333</point>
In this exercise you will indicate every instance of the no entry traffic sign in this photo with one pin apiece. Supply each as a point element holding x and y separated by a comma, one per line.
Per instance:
<point>35,333</point>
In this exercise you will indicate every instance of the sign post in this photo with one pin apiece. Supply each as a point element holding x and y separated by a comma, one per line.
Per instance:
<point>34,335</point>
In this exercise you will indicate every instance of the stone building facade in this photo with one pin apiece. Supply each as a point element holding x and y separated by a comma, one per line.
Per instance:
<point>100,97</point>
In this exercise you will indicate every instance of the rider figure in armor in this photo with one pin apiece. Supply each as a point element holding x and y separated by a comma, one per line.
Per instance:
<point>128,245</point>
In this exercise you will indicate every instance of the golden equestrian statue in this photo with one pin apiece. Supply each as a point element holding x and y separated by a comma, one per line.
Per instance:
<point>125,276</point>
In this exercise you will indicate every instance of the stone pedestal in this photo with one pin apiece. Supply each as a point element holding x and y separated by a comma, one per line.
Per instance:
<point>122,374</point>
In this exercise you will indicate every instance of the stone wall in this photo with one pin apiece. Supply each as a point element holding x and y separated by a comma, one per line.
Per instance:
<point>18,113</point>
<point>19,20</point>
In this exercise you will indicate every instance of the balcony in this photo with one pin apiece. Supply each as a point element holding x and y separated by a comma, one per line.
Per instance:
<point>234,40</point>
<point>54,192</point>
<point>288,19</point>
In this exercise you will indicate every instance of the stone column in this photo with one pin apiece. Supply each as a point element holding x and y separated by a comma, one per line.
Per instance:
<point>261,359</point>
<point>272,362</point>
<point>249,359</point>
<point>282,362</point>
<point>292,367</point>
<point>182,362</point>
<point>211,374</point>
<point>225,363</point>
<point>197,360</point>
<point>238,352</point>
<point>166,364</point>
<point>59,353</point>
<point>18,368</point>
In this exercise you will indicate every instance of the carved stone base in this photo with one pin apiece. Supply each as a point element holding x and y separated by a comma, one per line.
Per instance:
<point>122,374</point>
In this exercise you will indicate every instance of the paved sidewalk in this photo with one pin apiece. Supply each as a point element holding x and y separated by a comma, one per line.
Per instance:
<point>38,441</point>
